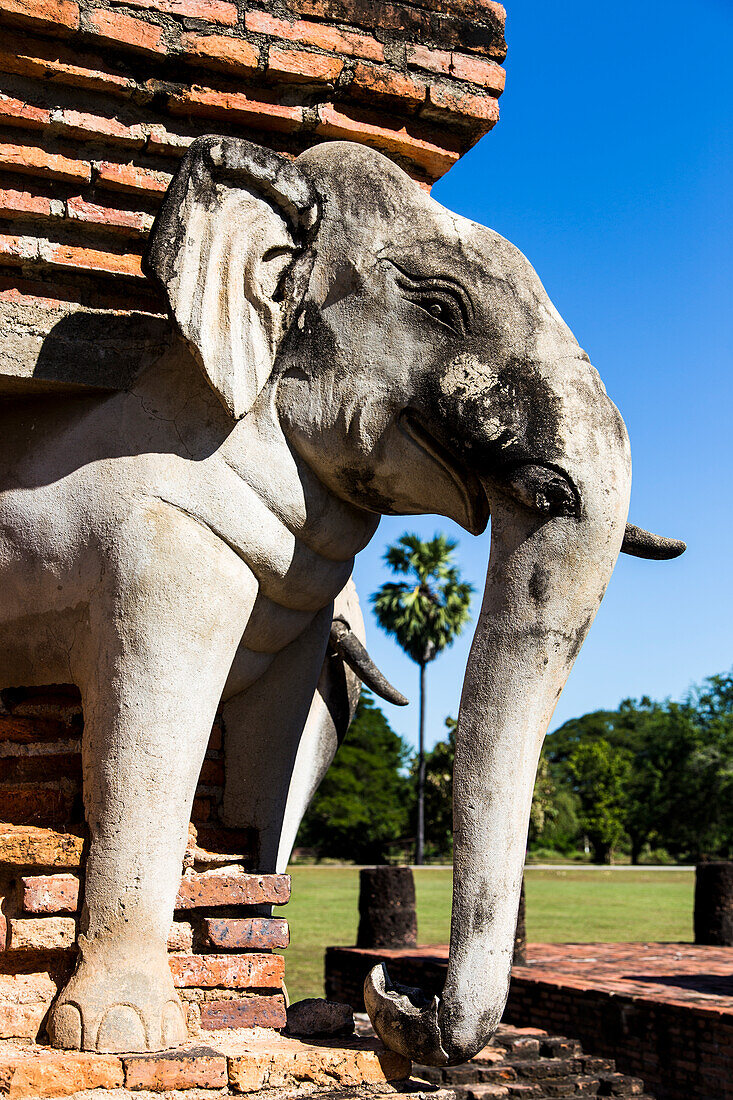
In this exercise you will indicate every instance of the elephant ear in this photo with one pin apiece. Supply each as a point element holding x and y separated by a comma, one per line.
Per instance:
<point>234,221</point>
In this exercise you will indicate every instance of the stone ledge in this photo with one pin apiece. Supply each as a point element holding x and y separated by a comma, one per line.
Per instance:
<point>238,1062</point>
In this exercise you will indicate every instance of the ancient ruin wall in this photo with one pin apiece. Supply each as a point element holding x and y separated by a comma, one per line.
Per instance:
<point>100,98</point>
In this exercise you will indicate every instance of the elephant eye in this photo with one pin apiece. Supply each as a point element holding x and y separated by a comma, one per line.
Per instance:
<point>439,295</point>
<point>440,309</point>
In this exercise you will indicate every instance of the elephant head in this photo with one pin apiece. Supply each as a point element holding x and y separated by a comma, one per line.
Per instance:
<point>417,365</point>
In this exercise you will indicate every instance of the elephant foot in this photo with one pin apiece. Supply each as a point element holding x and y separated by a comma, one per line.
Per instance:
<point>113,1008</point>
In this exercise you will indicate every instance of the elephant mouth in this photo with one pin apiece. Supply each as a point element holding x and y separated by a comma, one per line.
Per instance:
<point>470,488</point>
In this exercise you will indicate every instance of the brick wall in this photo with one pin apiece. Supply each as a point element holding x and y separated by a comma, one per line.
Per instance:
<point>100,98</point>
<point>223,937</point>
<point>681,1048</point>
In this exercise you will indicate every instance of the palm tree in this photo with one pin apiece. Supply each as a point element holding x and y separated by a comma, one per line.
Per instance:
<point>425,614</point>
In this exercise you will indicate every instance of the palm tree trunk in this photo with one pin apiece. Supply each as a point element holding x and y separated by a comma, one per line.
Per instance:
<point>420,840</point>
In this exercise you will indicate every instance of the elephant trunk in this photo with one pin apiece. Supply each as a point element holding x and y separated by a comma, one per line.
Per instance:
<point>545,580</point>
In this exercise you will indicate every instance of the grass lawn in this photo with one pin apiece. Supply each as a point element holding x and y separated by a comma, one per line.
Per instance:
<point>565,905</point>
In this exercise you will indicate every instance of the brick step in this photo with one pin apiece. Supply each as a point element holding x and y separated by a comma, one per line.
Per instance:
<point>531,1069</point>
<point>618,1084</point>
<point>559,1089</point>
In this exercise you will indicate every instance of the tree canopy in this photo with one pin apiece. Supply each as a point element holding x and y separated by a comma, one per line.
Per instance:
<point>361,809</point>
<point>427,611</point>
<point>649,780</point>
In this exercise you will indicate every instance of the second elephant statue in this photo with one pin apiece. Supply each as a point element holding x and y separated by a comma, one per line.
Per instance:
<point>344,348</point>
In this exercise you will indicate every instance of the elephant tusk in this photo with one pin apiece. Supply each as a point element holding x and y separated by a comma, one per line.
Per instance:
<point>643,544</point>
<point>346,643</point>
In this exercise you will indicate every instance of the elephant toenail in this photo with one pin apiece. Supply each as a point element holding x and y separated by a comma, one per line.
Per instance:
<point>64,1027</point>
<point>173,1028</point>
<point>122,1031</point>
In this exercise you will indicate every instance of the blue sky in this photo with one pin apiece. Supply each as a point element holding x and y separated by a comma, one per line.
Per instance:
<point>612,170</point>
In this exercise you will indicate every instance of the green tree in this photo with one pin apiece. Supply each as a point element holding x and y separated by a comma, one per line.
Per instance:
<point>424,613</point>
<point>362,805</point>
<point>439,794</point>
<point>544,797</point>
<point>601,774</point>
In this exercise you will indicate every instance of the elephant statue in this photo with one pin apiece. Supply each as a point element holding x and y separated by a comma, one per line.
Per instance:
<point>342,347</point>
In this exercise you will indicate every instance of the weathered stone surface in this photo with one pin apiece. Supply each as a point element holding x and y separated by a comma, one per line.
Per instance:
<point>26,846</point>
<point>41,933</point>
<point>221,888</point>
<point>42,1073</point>
<point>242,934</point>
<point>286,1063</point>
<point>227,971</point>
<point>315,1017</point>
<point>194,1067</point>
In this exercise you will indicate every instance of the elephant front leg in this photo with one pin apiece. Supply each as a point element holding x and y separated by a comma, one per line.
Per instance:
<point>160,662</point>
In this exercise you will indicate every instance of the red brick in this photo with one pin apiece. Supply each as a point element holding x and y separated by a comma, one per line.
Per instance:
<point>24,730</point>
<point>127,31</point>
<point>201,810</point>
<point>247,933</point>
<point>353,124</point>
<point>464,105</point>
<point>236,106</point>
<point>193,1068</point>
<point>60,64</point>
<point>91,259</point>
<point>216,845</point>
<point>62,702</point>
<point>346,43</point>
<point>57,14</point>
<point>435,61</point>
<point>14,112</point>
<point>162,142</point>
<point>273,1061</point>
<point>41,933</point>
<point>29,158</point>
<point>28,846</point>
<point>212,772</point>
<point>213,11</point>
<point>486,73</point>
<point>58,1073</point>
<point>225,888</point>
<point>221,51</point>
<point>36,805</point>
<point>129,177</point>
<point>462,24</point>
<point>49,893</point>
<point>227,971</point>
<point>81,124</point>
<point>21,204</point>
<point>134,221</point>
<point>253,1011</point>
<point>180,937</point>
<point>25,769</point>
<point>373,80</point>
<point>302,66</point>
